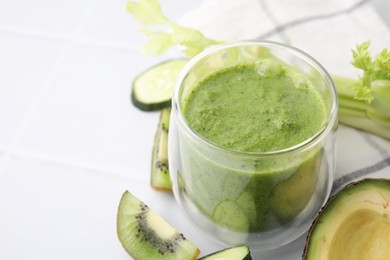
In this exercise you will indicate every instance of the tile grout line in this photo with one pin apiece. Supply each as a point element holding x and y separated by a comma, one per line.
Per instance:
<point>64,38</point>
<point>72,164</point>
<point>27,118</point>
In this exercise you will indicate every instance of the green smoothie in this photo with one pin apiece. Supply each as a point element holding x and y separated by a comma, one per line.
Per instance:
<point>254,107</point>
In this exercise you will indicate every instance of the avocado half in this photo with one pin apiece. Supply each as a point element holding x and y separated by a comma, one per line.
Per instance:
<point>354,224</point>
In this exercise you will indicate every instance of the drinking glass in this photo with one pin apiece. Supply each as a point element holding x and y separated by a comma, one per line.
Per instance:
<point>262,199</point>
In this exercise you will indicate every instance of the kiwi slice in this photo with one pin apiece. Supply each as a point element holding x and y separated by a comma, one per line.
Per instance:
<point>145,235</point>
<point>160,177</point>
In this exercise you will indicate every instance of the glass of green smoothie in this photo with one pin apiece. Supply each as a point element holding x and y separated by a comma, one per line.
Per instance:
<point>251,142</point>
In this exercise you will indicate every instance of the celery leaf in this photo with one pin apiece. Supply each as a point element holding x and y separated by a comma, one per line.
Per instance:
<point>149,13</point>
<point>373,69</point>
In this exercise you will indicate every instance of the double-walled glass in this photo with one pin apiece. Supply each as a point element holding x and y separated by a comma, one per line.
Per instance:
<point>262,199</point>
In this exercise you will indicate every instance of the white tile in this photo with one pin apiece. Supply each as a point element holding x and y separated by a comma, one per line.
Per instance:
<point>50,211</point>
<point>111,25</point>
<point>42,16</point>
<point>25,64</point>
<point>86,116</point>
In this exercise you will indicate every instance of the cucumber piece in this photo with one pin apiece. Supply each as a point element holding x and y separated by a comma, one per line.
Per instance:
<point>160,178</point>
<point>233,253</point>
<point>228,214</point>
<point>152,89</point>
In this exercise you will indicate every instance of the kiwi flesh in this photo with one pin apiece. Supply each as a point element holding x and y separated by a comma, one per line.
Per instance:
<point>160,177</point>
<point>145,235</point>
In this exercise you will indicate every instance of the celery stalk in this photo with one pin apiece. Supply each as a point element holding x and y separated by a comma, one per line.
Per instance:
<point>364,103</point>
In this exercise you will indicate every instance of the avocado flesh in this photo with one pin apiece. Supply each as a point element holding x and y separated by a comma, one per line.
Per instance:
<point>368,237</point>
<point>354,224</point>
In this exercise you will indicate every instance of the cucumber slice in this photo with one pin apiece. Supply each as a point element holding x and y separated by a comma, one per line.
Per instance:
<point>233,253</point>
<point>153,88</point>
<point>160,178</point>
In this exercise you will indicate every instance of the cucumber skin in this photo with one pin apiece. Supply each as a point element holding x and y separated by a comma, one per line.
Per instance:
<point>147,107</point>
<point>246,257</point>
<point>151,106</point>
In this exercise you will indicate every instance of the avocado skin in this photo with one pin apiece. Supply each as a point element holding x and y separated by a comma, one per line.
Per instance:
<point>332,203</point>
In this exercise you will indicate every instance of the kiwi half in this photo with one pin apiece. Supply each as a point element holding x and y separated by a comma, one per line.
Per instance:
<point>145,235</point>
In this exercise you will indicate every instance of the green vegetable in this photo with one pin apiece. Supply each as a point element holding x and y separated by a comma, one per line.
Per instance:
<point>149,13</point>
<point>153,88</point>
<point>364,103</point>
<point>232,253</point>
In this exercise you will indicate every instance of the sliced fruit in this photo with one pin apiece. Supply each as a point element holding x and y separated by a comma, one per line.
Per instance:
<point>292,195</point>
<point>145,235</point>
<point>153,88</point>
<point>247,205</point>
<point>354,224</point>
<point>228,214</point>
<point>160,178</point>
<point>233,253</point>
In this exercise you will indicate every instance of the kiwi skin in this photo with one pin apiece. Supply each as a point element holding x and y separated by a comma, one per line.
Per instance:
<point>145,235</point>
<point>160,177</point>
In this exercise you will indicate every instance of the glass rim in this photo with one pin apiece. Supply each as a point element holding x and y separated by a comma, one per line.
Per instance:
<point>307,143</point>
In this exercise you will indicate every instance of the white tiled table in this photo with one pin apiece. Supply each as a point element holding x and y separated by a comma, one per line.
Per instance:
<point>70,141</point>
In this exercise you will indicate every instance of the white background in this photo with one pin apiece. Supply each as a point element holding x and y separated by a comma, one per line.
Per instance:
<point>70,141</point>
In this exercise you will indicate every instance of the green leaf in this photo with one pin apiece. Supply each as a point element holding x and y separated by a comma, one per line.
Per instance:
<point>148,12</point>
<point>159,44</point>
<point>382,65</point>
<point>361,57</point>
<point>370,108</point>
<point>192,40</point>
<point>362,90</point>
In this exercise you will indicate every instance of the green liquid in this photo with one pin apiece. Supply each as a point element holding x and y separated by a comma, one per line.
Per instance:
<point>253,108</point>
<point>241,109</point>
